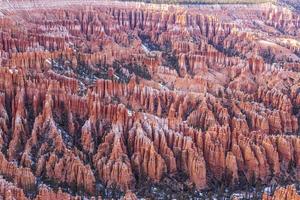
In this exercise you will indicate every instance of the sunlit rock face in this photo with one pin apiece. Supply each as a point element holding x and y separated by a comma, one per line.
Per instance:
<point>102,100</point>
<point>282,194</point>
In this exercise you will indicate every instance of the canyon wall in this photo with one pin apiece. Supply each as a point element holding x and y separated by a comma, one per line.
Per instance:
<point>95,97</point>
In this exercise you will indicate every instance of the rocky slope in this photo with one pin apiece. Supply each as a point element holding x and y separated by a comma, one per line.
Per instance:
<point>113,102</point>
<point>283,193</point>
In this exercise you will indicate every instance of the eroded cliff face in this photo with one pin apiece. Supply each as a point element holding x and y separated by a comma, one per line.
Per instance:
<point>95,97</point>
<point>283,193</point>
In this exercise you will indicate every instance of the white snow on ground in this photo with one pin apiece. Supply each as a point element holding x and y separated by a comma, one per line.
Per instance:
<point>48,61</point>
<point>145,49</point>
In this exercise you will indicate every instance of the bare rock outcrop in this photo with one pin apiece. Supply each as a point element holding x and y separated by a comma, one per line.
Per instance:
<point>100,100</point>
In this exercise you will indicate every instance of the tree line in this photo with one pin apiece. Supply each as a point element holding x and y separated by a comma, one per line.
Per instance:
<point>204,1</point>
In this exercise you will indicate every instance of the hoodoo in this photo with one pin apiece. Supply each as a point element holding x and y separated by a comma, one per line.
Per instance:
<point>131,100</point>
